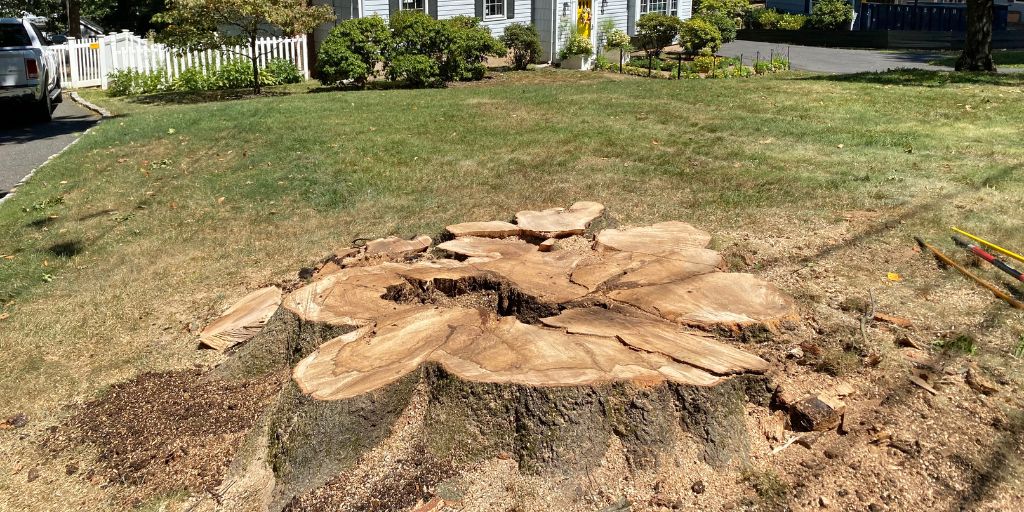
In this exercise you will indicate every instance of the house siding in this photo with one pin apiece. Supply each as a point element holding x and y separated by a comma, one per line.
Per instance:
<point>793,6</point>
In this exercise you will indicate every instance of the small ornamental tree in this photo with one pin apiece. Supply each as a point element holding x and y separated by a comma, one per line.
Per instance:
<point>655,31</point>
<point>699,37</point>
<point>353,50</point>
<point>215,24</point>
<point>617,39</point>
<point>731,8</point>
<point>524,43</point>
<point>726,25</point>
<point>831,15</point>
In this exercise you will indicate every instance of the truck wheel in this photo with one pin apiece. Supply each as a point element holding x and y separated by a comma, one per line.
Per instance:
<point>45,109</point>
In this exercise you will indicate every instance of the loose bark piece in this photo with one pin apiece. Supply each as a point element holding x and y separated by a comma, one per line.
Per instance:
<point>660,337</point>
<point>898,321</point>
<point>397,247</point>
<point>546,245</point>
<point>663,238</point>
<point>243,320</point>
<point>559,222</point>
<point>977,380</point>
<point>817,413</point>
<point>718,299</point>
<point>482,349</point>
<point>490,229</point>
<point>350,297</point>
<point>475,246</point>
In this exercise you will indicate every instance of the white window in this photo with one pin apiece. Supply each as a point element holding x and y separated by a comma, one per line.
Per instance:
<point>661,6</point>
<point>494,8</point>
<point>414,5</point>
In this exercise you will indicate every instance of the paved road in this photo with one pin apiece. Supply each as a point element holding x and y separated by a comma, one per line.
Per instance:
<point>833,60</point>
<point>25,146</point>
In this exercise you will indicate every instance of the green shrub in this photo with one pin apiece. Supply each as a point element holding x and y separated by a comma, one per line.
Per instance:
<point>831,15</point>
<point>467,46</point>
<point>283,71</point>
<point>774,65</point>
<point>129,82</point>
<point>524,43</point>
<point>415,70</point>
<point>234,74</point>
<point>705,63</point>
<point>576,45</point>
<point>725,24</point>
<point>192,80</point>
<point>655,31</point>
<point>731,8</point>
<point>353,50</point>
<point>774,20</point>
<point>699,36</point>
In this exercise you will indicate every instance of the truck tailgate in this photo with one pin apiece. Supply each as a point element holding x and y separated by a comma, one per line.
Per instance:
<point>12,66</point>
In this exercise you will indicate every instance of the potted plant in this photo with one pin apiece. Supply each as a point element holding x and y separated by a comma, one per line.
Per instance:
<point>578,52</point>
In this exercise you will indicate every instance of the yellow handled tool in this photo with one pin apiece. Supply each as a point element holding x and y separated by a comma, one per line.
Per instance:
<point>967,273</point>
<point>993,246</point>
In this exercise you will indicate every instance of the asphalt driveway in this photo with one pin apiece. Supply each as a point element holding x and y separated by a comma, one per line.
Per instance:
<point>834,60</point>
<point>25,146</point>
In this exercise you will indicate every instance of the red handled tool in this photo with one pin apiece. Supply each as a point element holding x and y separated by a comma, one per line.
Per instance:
<point>983,254</point>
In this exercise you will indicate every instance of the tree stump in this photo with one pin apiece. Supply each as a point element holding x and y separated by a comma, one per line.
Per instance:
<point>542,355</point>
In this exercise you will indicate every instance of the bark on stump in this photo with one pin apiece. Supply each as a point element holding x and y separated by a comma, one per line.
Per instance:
<point>542,355</point>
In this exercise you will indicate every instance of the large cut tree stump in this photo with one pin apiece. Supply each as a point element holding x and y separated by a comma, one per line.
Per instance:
<point>544,355</point>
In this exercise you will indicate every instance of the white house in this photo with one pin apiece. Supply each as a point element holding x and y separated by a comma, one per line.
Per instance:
<point>554,18</point>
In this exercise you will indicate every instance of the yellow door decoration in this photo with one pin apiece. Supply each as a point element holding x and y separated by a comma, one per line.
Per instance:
<point>584,17</point>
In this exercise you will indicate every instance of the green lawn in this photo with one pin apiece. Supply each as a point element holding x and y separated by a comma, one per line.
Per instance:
<point>1002,58</point>
<point>121,248</point>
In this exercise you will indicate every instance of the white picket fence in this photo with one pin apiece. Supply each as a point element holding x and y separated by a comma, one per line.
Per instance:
<point>89,62</point>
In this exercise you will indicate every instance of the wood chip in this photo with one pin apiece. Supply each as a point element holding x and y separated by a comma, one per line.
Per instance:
<point>923,384</point>
<point>894,320</point>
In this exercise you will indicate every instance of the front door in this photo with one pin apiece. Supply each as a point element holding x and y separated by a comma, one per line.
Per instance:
<point>584,17</point>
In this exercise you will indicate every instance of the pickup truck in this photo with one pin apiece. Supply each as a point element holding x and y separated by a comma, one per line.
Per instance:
<point>28,71</point>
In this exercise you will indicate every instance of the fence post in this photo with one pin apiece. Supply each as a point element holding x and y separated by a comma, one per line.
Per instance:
<point>304,56</point>
<point>104,71</point>
<point>73,61</point>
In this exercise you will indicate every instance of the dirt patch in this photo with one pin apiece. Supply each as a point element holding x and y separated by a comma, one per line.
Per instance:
<point>166,432</point>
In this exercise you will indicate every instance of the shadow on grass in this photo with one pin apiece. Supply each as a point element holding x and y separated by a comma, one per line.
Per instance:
<point>924,78</point>
<point>194,97</point>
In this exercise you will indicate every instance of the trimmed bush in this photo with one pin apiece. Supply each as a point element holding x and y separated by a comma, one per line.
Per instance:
<point>524,43</point>
<point>236,74</point>
<point>129,82</point>
<point>467,47</point>
<point>576,45</point>
<point>655,31</point>
<point>415,70</point>
<point>831,15</point>
<point>771,19</point>
<point>731,8</point>
<point>353,50</point>
<point>725,24</point>
<point>699,37</point>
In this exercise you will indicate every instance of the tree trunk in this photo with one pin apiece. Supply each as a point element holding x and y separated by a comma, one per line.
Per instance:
<point>75,18</point>
<point>255,66</point>
<point>977,52</point>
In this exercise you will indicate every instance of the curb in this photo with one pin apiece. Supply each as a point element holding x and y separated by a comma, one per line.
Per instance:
<point>104,113</point>
<point>89,105</point>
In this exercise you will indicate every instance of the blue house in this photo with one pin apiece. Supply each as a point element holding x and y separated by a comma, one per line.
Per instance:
<point>554,19</point>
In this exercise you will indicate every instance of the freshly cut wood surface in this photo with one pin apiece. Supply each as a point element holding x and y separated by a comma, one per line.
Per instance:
<point>663,238</point>
<point>243,320</point>
<point>718,299</point>
<point>660,337</point>
<point>478,348</point>
<point>475,246</point>
<point>351,296</point>
<point>490,229</point>
<point>397,247</point>
<point>544,275</point>
<point>559,222</point>
<point>675,266</point>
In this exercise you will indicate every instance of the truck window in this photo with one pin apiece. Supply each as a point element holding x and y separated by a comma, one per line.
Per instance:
<point>13,35</point>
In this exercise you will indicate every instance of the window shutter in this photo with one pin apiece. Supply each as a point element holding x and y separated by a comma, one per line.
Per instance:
<point>393,6</point>
<point>479,8</point>
<point>432,7</point>
<point>631,17</point>
<point>510,9</point>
